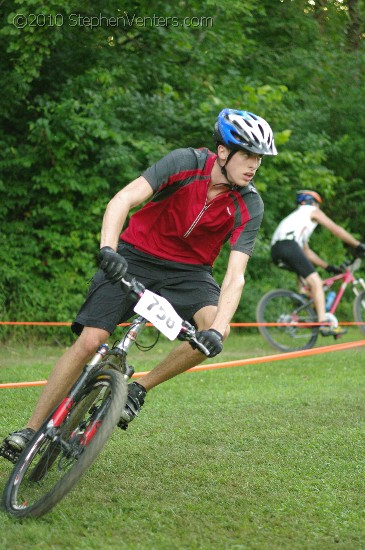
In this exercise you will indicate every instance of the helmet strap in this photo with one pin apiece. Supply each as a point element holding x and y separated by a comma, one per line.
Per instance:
<point>230,184</point>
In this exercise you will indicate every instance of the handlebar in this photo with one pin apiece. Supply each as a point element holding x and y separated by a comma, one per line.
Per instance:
<point>351,264</point>
<point>188,332</point>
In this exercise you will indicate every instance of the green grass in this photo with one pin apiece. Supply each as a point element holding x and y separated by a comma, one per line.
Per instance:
<point>266,456</point>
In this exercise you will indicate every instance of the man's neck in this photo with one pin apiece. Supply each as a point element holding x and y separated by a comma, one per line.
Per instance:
<point>217,180</point>
<point>218,183</point>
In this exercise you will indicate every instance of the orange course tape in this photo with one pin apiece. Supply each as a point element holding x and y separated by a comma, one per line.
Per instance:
<point>237,363</point>
<point>62,324</point>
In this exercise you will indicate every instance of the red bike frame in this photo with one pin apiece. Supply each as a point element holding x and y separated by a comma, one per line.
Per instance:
<point>347,277</point>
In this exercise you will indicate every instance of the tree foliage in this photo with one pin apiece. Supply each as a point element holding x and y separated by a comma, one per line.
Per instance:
<point>93,93</point>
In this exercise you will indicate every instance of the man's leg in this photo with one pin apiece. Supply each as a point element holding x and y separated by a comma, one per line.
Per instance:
<point>181,358</point>
<point>66,372</point>
<point>316,287</point>
<point>178,361</point>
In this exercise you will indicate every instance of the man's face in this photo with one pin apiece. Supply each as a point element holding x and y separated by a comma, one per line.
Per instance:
<point>242,167</point>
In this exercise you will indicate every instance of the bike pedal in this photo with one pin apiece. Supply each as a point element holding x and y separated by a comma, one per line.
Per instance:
<point>122,425</point>
<point>9,453</point>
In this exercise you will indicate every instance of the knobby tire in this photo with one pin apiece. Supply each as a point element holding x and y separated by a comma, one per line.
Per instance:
<point>45,471</point>
<point>286,306</point>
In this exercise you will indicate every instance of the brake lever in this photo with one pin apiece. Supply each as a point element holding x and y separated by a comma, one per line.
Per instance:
<point>188,333</point>
<point>200,346</point>
<point>134,287</point>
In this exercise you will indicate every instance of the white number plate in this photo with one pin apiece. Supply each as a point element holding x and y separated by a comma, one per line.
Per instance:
<point>160,313</point>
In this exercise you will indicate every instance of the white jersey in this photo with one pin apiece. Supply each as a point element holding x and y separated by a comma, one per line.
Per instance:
<point>298,226</point>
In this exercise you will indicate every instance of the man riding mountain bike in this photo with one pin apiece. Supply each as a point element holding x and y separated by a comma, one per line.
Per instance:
<point>196,201</point>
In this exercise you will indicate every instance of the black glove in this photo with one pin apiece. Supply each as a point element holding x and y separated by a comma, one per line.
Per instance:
<point>211,339</point>
<point>360,250</point>
<point>333,269</point>
<point>114,265</point>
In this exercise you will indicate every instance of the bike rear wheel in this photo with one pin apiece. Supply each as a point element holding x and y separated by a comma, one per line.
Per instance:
<point>359,310</point>
<point>286,306</point>
<point>56,458</point>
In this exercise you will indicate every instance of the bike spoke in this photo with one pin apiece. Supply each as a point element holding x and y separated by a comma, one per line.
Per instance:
<point>293,317</point>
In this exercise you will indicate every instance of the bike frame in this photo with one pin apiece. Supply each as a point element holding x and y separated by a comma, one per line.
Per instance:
<point>347,278</point>
<point>116,358</point>
<point>287,319</point>
<point>120,349</point>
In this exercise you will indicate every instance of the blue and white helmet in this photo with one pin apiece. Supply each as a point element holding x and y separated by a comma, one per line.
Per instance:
<point>244,130</point>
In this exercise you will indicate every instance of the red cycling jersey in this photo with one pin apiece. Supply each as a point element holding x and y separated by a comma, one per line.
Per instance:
<point>179,224</point>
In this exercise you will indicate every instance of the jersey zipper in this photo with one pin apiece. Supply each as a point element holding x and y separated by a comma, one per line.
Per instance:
<point>199,216</point>
<point>196,221</point>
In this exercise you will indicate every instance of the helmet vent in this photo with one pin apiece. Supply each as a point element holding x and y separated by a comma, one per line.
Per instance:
<point>237,124</point>
<point>240,138</point>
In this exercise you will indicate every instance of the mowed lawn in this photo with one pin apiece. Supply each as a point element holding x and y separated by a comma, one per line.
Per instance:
<point>267,456</point>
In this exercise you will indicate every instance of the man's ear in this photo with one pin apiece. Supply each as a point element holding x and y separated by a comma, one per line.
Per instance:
<point>223,152</point>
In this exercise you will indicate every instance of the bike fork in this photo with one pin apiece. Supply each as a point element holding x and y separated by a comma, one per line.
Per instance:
<point>66,405</point>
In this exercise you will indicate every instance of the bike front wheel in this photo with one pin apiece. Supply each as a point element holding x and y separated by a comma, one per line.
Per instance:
<point>56,458</point>
<point>288,309</point>
<point>359,310</point>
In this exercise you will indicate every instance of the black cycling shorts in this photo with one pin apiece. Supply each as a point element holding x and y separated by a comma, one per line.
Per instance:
<point>292,256</point>
<point>187,287</point>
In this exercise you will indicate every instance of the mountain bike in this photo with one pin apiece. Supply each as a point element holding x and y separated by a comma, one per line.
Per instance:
<point>72,437</point>
<point>289,320</point>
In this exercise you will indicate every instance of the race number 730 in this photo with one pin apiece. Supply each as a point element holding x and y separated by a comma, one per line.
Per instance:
<point>160,313</point>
